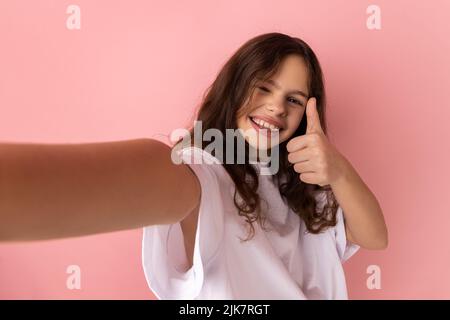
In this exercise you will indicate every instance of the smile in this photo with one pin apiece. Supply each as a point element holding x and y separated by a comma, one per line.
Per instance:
<point>261,124</point>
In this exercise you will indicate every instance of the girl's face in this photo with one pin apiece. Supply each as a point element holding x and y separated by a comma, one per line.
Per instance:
<point>277,105</point>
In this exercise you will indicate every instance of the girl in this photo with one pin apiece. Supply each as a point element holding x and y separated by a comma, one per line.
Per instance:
<point>302,222</point>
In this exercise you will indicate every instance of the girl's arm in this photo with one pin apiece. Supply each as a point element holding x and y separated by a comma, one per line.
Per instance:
<point>364,220</point>
<point>66,190</point>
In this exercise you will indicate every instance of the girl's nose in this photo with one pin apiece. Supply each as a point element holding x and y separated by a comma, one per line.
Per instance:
<point>277,108</point>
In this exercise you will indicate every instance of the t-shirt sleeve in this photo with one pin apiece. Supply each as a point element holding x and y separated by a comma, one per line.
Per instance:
<point>163,252</point>
<point>344,247</point>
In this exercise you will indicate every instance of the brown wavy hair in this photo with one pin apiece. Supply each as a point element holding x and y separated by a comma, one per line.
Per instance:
<point>260,57</point>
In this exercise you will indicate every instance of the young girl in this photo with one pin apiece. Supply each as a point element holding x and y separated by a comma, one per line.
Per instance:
<point>214,229</point>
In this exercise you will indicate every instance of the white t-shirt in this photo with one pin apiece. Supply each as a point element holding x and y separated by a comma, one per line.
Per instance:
<point>285,263</point>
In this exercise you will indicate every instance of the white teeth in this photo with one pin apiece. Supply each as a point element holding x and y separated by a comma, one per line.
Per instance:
<point>266,125</point>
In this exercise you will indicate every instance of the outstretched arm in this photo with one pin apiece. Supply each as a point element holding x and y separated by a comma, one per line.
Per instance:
<point>65,190</point>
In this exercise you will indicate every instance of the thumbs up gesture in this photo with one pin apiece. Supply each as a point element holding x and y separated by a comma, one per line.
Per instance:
<point>312,155</point>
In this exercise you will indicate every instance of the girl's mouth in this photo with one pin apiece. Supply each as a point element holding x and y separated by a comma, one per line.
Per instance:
<point>263,127</point>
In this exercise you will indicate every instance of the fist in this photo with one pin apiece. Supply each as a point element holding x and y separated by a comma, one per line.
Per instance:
<point>315,159</point>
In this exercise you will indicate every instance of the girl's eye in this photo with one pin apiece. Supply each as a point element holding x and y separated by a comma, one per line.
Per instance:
<point>297,102</point>
<point>294,100</point>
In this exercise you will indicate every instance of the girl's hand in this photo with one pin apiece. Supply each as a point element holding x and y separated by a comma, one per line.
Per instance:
<point>312,155</point>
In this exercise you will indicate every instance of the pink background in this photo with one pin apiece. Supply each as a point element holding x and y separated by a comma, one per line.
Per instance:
<point>139,68</point>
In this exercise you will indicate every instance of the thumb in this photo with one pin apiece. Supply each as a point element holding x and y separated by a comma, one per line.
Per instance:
<point>312,117</point>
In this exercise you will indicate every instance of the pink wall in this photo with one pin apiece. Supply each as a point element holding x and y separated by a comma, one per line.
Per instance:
<point>138,68</point>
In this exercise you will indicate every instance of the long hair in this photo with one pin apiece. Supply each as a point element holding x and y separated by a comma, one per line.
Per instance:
<point>260,57</point>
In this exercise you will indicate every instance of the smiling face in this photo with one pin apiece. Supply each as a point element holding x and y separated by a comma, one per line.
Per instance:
<point>278,105</point>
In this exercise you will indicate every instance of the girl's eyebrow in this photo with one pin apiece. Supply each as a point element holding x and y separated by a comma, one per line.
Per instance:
<point>277,85</point>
